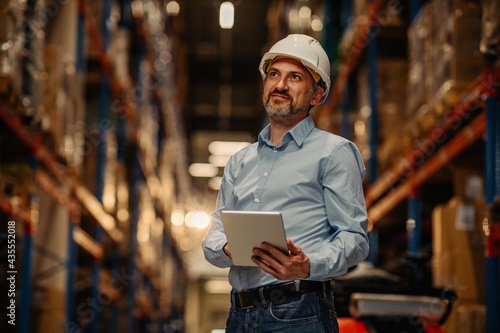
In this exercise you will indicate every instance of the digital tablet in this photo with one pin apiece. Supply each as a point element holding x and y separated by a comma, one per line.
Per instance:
<point>246,230</point>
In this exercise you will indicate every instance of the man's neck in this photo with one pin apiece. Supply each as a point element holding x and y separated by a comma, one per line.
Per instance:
<point>281,125</point>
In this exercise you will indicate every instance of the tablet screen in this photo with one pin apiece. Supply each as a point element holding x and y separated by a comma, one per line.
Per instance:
<point>246,230</point>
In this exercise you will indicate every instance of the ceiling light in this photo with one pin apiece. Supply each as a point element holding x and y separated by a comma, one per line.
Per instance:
<point>304,12</point>
<point>188,219</point>
<point>173,8</point>
<point>226,15</point>
<point>200,220</point>
<point>203,170</point>
<point>177,218</point>
<point>293,19</point>
<point>359,128</point>
<point>214,183</point>
<point>226,147</point>
<point>316,23</point>
<point>218,160</point>
<point>186,244</point>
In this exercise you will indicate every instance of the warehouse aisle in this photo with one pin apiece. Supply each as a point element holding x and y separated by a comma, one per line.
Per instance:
<point>118,117</point>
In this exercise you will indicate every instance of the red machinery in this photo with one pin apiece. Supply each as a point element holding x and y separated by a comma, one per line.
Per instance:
<point>373,301</point>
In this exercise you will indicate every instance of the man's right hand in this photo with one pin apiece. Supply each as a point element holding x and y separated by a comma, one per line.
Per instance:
<point>227,251</point>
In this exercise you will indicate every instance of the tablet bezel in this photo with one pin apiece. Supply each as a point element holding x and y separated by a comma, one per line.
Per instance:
<point>246,230</point>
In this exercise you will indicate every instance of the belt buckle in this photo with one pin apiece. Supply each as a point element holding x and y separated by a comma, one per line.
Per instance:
<point>297,285</point>
<point>241,300</point>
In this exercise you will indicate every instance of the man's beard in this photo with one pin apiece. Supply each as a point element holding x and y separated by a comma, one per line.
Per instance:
<point>285,109</point>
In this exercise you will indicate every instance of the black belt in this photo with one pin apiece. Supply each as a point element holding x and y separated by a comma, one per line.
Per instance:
<point>277,293</point>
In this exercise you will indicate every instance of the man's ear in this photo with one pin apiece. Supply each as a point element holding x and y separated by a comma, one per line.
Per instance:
<point>317,96</point>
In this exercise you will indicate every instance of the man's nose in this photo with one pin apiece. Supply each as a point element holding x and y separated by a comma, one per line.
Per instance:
<point>282,84</point>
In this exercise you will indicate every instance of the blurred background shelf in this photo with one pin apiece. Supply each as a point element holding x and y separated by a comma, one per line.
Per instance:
<point>108,108</point>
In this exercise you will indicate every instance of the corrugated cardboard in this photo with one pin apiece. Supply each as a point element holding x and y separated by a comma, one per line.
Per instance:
<point>458,247</point>
<point>469,274</point>
<point>49,314</point>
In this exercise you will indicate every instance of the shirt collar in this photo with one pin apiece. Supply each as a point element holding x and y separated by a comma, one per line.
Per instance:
<point>298,133</point>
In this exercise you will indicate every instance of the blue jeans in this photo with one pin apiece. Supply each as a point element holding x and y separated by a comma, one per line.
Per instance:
<point>311,312</point>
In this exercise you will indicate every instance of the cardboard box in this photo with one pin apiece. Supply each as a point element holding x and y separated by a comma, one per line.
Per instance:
<point>467,316</point>
<point>458,247</point>
<point>456,59</point>
<point>467,180</point>
<point>465,223</point>
<point>469,274</point>
<point>49,310</point>
<point>458,224</point>
<point>442,270</point>
<point>463,271</point>
<point>441,238</point>
<point>420,60</point>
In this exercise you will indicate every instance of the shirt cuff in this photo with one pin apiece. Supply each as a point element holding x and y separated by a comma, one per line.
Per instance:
<point>322,268</point>
<point>224,256</point>
<point>315,270</point>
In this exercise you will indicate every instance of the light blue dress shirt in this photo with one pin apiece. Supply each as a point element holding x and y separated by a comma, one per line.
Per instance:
<point>314,178</point>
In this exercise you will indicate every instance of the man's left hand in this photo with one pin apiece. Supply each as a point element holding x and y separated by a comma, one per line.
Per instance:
<point>271,260</point>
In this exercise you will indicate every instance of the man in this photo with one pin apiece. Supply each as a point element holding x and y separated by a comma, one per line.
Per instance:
<point>314,179</point>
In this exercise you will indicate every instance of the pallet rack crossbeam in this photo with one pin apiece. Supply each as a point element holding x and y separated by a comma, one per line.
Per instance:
<point>470,100</point>
<point>462,140</point>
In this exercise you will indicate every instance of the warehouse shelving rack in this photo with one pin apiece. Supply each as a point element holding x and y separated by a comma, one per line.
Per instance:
<point>80,197</point>
<point>384,192</point>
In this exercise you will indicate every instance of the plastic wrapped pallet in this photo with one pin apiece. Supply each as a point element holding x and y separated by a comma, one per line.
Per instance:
<point>11,46</point>
<point>419,53</point>
<point>490,28</point>
<point>456,59</point>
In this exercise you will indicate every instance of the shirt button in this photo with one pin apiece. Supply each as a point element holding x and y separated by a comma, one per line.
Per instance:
<point>275,150</point>
<point>266,174</point>
<point>256,200</point>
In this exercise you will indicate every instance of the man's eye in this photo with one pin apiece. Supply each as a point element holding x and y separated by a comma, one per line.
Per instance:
<point>273,74</point>
<point>295,77</point>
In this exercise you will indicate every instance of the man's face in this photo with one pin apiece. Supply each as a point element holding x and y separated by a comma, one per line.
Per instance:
<point>288,89</point>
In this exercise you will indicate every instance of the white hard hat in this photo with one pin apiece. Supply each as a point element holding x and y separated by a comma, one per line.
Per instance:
<point>305,49</point>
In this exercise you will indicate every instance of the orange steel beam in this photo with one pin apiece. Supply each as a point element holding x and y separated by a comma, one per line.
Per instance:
<point>84,240</point>
<point>118,93</point>
<point>129,110</point>
<point>80,236</point>
<point>62,173</point>
<point>126,108</point>
<point>459,142</point>
<point>471,97</point>
<point>16,211</point>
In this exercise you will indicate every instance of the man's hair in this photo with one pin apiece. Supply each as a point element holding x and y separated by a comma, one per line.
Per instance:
<point>315,87</point>
<point>318,85</point>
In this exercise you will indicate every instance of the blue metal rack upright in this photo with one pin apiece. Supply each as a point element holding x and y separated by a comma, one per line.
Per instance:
<point>27,256</point>
<point>414,224</point>
<point>373,103</point>
<point>74,215</point>
<point>103,118</point>
<point>345,105</point>
<point>71,268</point>
<point>136,178</point>
<point>492,194</point>
<point>372,49</point>
<point>27,260</point>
